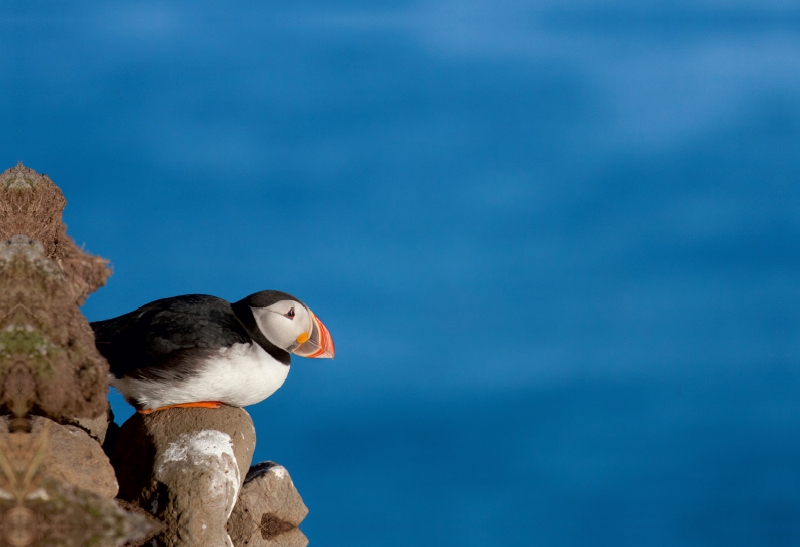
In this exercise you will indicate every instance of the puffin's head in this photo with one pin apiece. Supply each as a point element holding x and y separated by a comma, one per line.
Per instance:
<point>288,323</point>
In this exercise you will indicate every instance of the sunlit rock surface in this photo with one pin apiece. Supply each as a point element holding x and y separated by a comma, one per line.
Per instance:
<point>186,467</point>
<point>269,510</point>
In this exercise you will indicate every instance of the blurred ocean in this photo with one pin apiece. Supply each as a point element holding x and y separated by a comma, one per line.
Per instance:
<point>557,244</point>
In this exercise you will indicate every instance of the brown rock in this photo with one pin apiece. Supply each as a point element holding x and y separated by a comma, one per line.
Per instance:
<point>95,427</point>
<point>54,513</point>
<point>154,526</point>
<point>48,361</point>
<point>47,512</point>
<point>49,364</point>
<point>268,511</point>
<point>31,204</point>
<point>186,466</point>
<point>68,455</point>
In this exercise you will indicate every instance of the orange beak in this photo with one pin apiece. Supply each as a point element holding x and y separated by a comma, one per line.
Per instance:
<point>317,343</point>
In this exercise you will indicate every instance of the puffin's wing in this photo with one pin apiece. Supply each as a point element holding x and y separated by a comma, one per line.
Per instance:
<point>167,338</point>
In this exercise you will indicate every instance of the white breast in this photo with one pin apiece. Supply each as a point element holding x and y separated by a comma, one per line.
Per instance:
<point>241,375</point>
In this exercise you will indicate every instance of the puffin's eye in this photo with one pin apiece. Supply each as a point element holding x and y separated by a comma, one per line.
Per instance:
<point>290,313</point>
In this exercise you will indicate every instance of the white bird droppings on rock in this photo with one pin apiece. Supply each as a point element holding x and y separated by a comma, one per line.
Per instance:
<point>198,460</point>
<point>210,449</point>
<point>279,470</point>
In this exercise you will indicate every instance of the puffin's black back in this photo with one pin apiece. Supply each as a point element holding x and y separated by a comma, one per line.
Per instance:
<point>155,340</point>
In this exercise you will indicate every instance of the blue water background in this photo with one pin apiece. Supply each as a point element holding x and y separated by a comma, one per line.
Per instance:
<point>557,244</point>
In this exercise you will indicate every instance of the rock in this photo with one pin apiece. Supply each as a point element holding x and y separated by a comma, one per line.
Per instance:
<point>68,455</point>
<point>154,526</point>
<point>49,512</point>
<point>49,364</point>
<point>186,466</point>
<point>95,427</point>
<point>32,204</point>
<point>269,510</point>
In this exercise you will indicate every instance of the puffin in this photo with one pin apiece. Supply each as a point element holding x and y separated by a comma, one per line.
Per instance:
<point>198,350</point>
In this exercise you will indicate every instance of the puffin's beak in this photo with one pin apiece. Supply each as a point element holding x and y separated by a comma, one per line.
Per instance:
<point>316,343</point>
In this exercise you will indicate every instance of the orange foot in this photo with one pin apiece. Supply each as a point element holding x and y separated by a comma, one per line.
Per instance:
<point>201,404</point>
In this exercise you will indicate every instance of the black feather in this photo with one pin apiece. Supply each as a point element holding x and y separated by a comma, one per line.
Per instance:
<point>168,338</point>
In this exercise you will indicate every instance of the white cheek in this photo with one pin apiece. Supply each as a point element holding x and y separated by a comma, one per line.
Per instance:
<point>278,329</point>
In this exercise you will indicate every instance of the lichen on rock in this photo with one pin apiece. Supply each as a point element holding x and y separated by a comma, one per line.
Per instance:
<point>56,483</point>
<point>48,362</point>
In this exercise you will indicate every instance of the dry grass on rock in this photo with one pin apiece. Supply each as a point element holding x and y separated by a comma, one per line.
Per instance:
<point>31,204</point>
<point>48,361</point>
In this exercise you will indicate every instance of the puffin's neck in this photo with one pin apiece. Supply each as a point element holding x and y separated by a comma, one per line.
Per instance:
<point>245,316</point>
